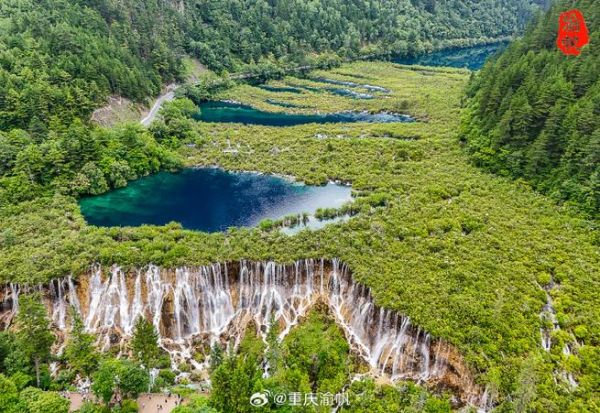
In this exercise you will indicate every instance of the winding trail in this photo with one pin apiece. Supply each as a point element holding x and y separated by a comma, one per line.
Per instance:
<point>168,96</point>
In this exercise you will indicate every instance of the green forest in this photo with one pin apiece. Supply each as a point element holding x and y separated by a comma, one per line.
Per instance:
<point>60,60</point>
<point>468,220</point>
<point>534,113</point>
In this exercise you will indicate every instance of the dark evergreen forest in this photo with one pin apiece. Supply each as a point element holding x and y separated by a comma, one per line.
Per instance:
<point>535,112</point>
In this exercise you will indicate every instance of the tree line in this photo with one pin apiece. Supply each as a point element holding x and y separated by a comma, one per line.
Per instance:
<point>534,113</point>
<point>61,59</point>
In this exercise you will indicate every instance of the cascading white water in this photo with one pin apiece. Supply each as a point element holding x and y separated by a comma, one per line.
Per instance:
<point>548,315</point>
<point>194,308</point>
<point>549,327</point>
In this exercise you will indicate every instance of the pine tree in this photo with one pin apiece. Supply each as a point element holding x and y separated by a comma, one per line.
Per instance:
<point>547,114</point>
<point>80,351</point>
<point>216,357</point>
<point>144,343</point>
<point>273,355</point>
<point>33,331</point>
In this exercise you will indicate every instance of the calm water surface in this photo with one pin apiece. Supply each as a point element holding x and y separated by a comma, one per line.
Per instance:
<point>227,112</point>
<point>208,200</point>
<point>472,58</point>
<point>213,200</point>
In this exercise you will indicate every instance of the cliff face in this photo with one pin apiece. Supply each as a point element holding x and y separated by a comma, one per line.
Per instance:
<point>192,308</point>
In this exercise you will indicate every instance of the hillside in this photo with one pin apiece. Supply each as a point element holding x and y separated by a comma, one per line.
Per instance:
<point>60,59</point>
<point>534,113</point>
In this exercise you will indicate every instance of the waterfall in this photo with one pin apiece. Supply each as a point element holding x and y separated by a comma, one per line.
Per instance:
<point>548,316</point>
<point>193,308</point>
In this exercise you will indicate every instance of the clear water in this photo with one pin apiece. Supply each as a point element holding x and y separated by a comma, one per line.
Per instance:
<point>209,200</point>
<point>227,112</point>
<point>472,58</point>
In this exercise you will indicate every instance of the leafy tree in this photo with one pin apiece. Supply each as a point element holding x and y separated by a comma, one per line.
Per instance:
<point>132,380</point>
<point>95,177</point>
<point>233,382</point>
<point>21,380</point>
<point>38,401</point>
<point>9,397</point>
<point>238,376</point>
<point>121,377</point>
<point>33,331</point>
<point>105,380</point>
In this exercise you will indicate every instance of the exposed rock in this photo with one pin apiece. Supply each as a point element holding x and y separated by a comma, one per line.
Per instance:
<point>193,308</point>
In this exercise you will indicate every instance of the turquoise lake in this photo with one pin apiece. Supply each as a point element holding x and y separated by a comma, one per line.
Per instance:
<point>472,58</point>
<point>209,200</point>
<point>228,112</point>
<point>213,200</point>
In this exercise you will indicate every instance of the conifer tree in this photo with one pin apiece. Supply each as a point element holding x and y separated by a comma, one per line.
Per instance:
<point>144,343</point>
<point>33,331</point>
<point>80,351</point>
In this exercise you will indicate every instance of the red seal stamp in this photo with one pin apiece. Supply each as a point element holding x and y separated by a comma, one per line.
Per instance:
<point>572,32</point>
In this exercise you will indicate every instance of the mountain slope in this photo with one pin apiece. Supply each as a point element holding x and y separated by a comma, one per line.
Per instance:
<point>62,58</point>
<point>534,113</point>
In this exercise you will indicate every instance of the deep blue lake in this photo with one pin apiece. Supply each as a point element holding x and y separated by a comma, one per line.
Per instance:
<point>471,58</point>
<point>227,112</point>
<point>209,200</point>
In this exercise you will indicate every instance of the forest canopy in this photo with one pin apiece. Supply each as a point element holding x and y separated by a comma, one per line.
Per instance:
<point>61,58</point>
<point>534,113</point>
